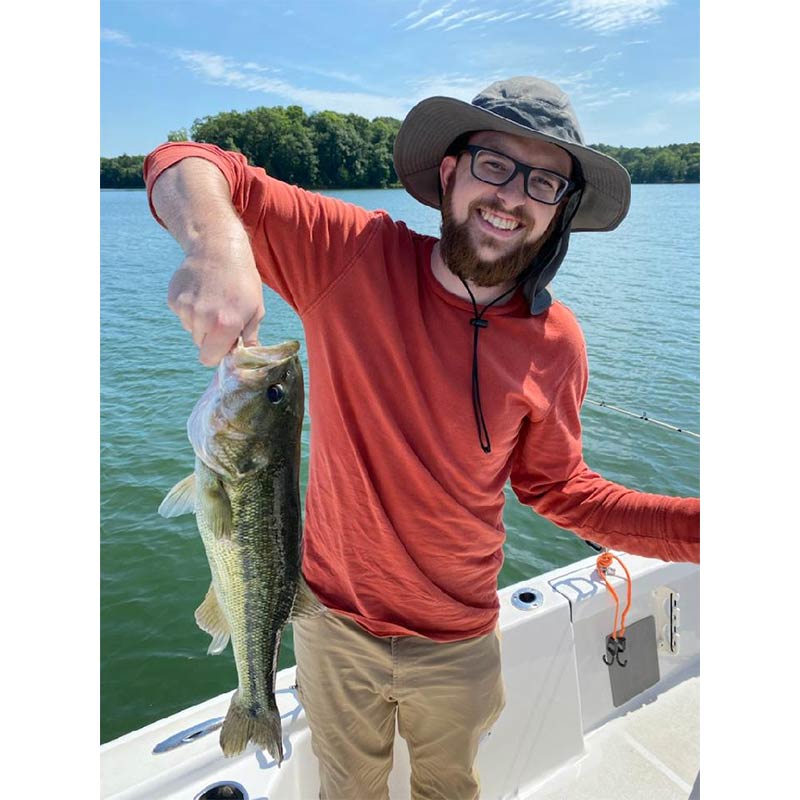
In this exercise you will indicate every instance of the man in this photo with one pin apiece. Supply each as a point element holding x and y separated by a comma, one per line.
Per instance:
<point>438,370</point>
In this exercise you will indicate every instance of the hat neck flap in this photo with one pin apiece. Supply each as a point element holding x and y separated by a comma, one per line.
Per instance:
<point>544,266</point>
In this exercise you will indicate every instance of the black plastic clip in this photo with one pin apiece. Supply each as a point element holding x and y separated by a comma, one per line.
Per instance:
<point>614,647</point>
<point>479,323</point>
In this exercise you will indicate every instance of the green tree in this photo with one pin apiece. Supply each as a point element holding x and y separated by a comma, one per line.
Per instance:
<point>693,169</point>
<point>380,165</point>
<point>340,149</point>
<point>294,158</point>
<point>225,130</point>
<point>122,172</point>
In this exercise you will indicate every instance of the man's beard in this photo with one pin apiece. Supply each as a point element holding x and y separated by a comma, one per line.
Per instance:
<point>461,257</point>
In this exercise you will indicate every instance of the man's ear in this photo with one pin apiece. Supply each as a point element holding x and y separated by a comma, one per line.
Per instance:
<point>447,170</point>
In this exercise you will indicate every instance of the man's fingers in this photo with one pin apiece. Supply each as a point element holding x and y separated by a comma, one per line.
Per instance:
<point>218,343</point>
<point>189,319</point>
<point>198,334</point>
<point>250,331</point>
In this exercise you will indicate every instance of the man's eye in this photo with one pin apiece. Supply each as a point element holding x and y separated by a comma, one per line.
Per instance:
<point>541,180</point>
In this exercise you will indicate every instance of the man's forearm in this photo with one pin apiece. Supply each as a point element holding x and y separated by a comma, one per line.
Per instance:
<point>657,526</point>
<point>216,292</point>
<point>192,199</point>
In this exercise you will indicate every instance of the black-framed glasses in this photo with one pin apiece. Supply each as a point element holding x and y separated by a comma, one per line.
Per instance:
<point>499,169</point>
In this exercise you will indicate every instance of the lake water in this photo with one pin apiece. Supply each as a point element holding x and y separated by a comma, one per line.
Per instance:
<point>635,291</point>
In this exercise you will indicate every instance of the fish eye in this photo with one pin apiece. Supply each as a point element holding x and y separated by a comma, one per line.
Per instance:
<point>275,393</point>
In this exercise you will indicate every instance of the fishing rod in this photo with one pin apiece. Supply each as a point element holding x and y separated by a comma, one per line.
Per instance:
<point>643,416</point>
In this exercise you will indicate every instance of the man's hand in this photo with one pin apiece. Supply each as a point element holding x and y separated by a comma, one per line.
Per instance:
<point>216,292</point>
<point>218,297</point>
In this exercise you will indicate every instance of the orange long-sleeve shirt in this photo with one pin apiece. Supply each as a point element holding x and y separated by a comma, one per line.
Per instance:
<point>404,530</point>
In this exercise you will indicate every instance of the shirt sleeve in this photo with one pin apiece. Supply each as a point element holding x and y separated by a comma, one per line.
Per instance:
<point>549,474</point>
<point>302,241</point>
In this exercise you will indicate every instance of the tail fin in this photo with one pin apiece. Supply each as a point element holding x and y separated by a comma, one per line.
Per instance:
<point>252,723</point>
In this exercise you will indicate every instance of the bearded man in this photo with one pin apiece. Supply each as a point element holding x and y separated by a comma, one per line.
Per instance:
<point>439,369</point>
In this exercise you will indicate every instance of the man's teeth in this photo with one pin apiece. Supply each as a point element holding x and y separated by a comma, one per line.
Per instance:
<point>499,222</point>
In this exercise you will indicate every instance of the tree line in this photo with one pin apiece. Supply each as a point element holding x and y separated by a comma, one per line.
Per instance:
<point>329,150</point>
<point>672,163</point>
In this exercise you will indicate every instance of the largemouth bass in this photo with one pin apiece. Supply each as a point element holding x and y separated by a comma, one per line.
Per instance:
<point>245,432</point>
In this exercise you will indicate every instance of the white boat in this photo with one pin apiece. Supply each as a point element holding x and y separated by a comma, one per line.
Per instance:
<point>574,728</point>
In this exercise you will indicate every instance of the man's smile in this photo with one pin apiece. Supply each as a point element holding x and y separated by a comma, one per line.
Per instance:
<point>498,224</point>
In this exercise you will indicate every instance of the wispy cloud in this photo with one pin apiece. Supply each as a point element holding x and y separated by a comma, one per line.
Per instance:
<point>462,87</point>
<point>224,71</point>
<point>117,37</point>
<point>433,16</point>
<point>450,18</point>
<point>482,17</point>
<point>691,96</point>
<point>412,14</point>
<point>610,16</point>
<point>605,98</point>
<point>601,16</point>
<point>331,74</point>
<point>470,13</point>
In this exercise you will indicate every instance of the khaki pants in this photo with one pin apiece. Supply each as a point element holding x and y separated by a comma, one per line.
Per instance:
<point>353,686</point>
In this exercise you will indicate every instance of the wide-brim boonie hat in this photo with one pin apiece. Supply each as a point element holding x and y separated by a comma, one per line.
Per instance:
<point>524,106</point>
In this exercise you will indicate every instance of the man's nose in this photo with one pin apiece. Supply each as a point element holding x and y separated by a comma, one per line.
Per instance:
<point>513,192</point>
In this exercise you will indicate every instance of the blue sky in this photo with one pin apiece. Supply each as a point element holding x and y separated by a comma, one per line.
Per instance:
<point>631,67</point>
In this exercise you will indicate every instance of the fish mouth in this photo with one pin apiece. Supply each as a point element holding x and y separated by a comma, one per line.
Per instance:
<point>260,356</point>
<point>253,364</point>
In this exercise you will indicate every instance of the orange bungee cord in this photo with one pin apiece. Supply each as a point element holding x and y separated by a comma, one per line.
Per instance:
<point>617,643</point>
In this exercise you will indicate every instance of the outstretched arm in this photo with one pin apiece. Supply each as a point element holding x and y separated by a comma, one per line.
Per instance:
<point>216,291</point>
<point>550,475</point>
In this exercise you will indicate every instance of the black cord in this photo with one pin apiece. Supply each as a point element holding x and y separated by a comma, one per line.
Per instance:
<point>478,323</point>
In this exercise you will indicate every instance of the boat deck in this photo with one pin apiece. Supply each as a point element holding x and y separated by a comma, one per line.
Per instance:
<point>560,737</point>
<point>652,752</point>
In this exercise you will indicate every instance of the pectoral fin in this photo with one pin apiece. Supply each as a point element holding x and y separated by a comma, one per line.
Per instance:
<point>211,618</point>
<point>219,511</point>
<point>180,499</point>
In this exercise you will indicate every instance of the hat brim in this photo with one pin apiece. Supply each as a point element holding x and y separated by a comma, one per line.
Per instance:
<point>431,126</point>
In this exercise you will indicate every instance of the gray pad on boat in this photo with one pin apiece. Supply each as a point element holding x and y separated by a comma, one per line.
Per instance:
<point>641,662</point>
